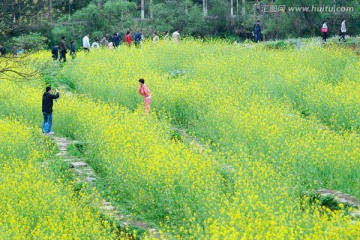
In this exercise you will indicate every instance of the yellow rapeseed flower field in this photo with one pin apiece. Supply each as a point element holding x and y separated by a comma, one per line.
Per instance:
<point>35,203</point>
<point>270,126</point>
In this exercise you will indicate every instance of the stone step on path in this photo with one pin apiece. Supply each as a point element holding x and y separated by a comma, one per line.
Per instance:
<point>85,173</point>
<point>78,164</point>
<point>340,197</point>
<point>343,198</point>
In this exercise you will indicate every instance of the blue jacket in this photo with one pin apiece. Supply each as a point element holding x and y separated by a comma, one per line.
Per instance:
<point>137,37</point>
<point>116,40</point>
<point>257,28</point>
<point>72,47</point>
<point>55,51</point>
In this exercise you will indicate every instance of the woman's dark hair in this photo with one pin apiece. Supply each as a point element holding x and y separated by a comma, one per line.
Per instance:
<point>141,80</point>
<point>127,32</point>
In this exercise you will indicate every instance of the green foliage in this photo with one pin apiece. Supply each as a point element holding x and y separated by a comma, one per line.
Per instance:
<point>76,149</point>
<point>33,41</point>
<point>183,15</point>
<point>277,45</point>
<point>323,204</point>
<point>176,135</point>
<point>104,17</point>
<point>113,16</point>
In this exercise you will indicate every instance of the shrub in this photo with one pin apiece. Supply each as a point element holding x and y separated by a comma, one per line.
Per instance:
<point>31,41</point>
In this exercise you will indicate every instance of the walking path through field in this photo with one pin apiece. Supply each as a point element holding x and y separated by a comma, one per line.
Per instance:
<point>85,174</point>
<point>340,197</point>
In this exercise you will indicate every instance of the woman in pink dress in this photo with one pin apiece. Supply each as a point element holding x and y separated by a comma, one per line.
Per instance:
<point>145,92</point>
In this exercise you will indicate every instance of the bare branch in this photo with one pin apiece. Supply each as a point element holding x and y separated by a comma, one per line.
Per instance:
<point>15,68</point>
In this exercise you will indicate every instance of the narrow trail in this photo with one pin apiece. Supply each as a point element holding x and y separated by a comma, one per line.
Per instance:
<point>340,197</point>
<point>85,174</point>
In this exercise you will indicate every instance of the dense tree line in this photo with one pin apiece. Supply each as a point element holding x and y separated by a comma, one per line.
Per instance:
<point>74,18</point>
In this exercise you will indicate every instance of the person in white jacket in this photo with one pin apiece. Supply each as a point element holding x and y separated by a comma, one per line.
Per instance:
<point>86,42</point>
<point>176,36</point>
<point>343,31</point>
<point>95,44</point>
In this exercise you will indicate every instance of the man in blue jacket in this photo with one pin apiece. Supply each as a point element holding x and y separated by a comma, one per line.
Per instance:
<point>116,39</point>
<point>47,109</point>
<point>55,52</point>
<point>257,31</point>
<point>138,38</point>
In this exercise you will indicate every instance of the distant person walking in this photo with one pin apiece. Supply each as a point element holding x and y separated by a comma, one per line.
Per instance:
<point>2,49</point>
<point>138,38</point>
<point>324,30</point>
<point>104,42</point>
<point>145,92</point>
<point>86,42</point>
<point>116,39</point>
<point>128,39</point>
<point>343,31</point>
<point>72,49</point>
<point>176,36</point>
<point>95,44</point>
<point>47,109</point>
<point>257,31</point>
<point>63,49</point>
<point>19,51</point>
<point>55,52</point>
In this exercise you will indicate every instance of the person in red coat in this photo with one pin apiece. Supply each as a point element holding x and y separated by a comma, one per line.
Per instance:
<point>128,39</point>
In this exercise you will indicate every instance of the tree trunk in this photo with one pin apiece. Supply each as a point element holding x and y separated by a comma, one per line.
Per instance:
<point>237,7</point>
<point>243,8</point>
<point>142,9</point>
<point>232,7</point>
<point>69,10</point>
<point>13,16</point>
<point>151,12</point>
<point>205,10</point>
<point>50,14</point>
